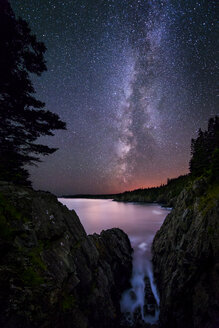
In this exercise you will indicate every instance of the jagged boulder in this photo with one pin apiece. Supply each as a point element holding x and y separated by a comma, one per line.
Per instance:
<point>186,260</point>
<point>52,274</point>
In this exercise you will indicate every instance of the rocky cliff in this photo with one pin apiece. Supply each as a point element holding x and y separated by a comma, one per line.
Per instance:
<point>186,259</point>
<point>52,274</point>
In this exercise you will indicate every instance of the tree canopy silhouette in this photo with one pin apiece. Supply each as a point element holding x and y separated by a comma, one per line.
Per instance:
<point>205,150</point>
<point>22,117</point>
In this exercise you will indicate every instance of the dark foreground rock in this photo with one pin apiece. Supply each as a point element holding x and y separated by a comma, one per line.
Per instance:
<point>51,273</point>
<point>186,260</point>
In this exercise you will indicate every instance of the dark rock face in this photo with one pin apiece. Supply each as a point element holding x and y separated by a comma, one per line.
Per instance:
<point>51,273</point>
<point>186,260</point>
<point>150,302</point>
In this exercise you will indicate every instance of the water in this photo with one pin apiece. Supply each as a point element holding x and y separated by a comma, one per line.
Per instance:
<point>140,222</point>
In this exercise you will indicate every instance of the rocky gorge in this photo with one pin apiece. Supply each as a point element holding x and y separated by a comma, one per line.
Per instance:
<point>52,274</point>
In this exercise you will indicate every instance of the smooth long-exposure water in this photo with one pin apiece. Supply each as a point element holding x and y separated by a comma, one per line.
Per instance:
<point>140,222</point>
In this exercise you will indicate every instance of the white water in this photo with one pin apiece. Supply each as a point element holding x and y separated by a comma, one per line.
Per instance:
<point>134,298</point>
<point>140,222</point>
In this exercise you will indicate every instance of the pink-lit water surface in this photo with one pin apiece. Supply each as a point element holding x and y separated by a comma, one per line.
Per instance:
<point>140,221</point>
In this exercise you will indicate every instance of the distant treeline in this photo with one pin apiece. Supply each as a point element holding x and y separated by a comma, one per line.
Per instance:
<point>204,163</point>
<point>165,194</point>
<point>107,196</point>
<point>162,194</point>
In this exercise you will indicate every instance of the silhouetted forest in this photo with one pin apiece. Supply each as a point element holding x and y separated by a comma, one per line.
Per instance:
<point>205,151</point>
<point>204,162</point>
<point>165,194</point>
<point>22,117</point>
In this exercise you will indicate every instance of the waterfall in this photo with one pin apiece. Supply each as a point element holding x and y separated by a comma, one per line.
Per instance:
<point>141,301</point>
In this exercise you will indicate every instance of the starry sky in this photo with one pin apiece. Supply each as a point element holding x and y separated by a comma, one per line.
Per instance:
<point>133,80</point>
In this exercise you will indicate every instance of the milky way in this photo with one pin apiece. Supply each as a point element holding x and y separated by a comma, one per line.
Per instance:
<point>134,80</point>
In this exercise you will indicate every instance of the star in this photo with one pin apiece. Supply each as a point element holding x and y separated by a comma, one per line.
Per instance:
<point>134,80</point>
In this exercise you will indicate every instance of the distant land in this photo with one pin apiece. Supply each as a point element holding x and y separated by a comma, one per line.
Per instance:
<point>89,196</point>
<point>165,194</point>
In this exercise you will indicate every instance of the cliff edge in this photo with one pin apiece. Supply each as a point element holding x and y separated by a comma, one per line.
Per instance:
<point>186,259</point>
<point>52,274</point>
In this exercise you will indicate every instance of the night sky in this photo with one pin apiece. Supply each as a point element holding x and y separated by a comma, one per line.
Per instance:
<point>134,80</point>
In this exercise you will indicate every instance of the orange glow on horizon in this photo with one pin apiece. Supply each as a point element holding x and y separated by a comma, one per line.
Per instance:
<point>150,183</point>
